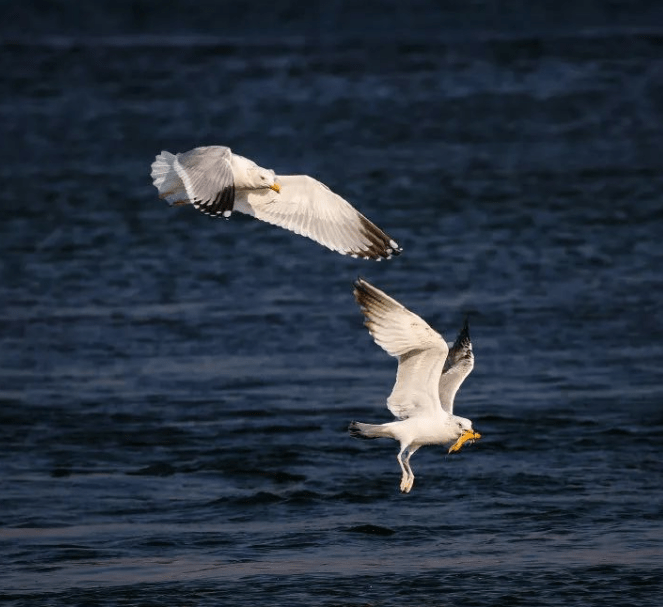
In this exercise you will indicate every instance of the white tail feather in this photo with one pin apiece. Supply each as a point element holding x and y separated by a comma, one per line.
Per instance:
<point>359,430</point>
<point>166,180</point>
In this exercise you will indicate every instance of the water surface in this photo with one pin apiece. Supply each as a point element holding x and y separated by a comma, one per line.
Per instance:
<point>175,390</point>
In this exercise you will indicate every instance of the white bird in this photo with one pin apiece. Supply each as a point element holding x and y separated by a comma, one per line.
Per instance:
<point>217,182</point>
<point>428,377</point>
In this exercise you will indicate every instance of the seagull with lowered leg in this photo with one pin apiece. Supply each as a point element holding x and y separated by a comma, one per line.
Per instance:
<point>428,377</point>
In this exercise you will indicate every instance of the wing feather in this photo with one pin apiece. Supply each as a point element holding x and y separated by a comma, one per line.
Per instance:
<point>208,178</point>
<point>309,208</point>
<point>421,351</point>
<point>457,367</point>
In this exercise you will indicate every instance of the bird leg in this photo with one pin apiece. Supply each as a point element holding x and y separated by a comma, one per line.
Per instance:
<point>406,471</point>
<point>410,482</point>
<point>407,479</point>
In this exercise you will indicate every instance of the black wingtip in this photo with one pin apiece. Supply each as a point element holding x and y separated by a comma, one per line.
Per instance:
<point>381,246</point>
<point>463,335</point>
<point>359,290</point>
<point>224,202</point>
<point>365,292</point>
<point>361,284</point>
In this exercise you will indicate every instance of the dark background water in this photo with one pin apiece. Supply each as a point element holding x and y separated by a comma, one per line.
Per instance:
<point>175,390</point>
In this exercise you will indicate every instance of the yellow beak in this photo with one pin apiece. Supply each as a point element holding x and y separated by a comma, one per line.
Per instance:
<point>276,187</point>
<point>470,435</point>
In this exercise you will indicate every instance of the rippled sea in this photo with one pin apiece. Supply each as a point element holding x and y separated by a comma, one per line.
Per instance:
<point>175,389</point>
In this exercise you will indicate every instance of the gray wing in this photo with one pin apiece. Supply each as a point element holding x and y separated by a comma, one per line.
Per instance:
<point>421,351</point>
<point>207,175</point>
<point>457,367</point>
<point>309,208</point>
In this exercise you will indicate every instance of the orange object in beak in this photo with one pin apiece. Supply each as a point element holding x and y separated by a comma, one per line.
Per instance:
<point>468,435</point>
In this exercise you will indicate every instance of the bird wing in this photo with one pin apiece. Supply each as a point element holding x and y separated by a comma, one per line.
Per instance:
<point>207,175</point>
<point>309,208</point>
<point>421,351</point>
<point>457,367</point>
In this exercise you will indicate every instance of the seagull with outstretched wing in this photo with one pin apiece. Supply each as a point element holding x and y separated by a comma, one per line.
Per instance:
<point>428,377</point>
<point>217,182</point>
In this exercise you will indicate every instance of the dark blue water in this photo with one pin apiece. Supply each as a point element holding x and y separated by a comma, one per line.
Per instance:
<point>175,390</point>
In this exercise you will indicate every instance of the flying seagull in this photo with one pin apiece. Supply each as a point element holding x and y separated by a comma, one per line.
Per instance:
<point>429,375</point>
<point>218,182</point>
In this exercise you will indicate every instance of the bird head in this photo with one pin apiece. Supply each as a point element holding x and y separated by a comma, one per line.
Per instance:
<point>249,176</point>
<point>263,178</point>
<point>465,433</point>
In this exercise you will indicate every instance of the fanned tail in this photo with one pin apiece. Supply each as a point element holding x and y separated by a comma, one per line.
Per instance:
<point>166,180</point>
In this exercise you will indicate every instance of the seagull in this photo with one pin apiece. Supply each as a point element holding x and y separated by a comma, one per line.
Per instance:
<point>430,371</point>
<point>217,182</point>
